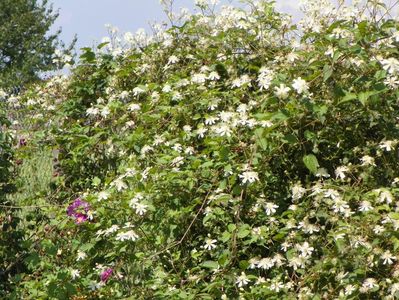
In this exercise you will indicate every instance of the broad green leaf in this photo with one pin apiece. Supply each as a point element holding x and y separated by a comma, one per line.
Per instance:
<point>364,96</point>
<point>96,181</point>
<point>311,163</point>
<point>231,227</point>
<point>210,264</point>
<point>290,138</point>
<point>243,232</point>
<point>381,74</point>
<point>262,142</point>
<point>327,72</point>
<point>394,215</point>
<point>348,97</point>
<point>225,236</point>
<point>337,55</point>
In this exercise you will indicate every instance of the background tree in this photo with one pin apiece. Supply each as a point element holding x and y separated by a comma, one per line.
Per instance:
<point>27,48</point>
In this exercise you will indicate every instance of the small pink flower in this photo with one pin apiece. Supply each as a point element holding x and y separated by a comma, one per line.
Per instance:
<point>22,142</point>
<point>105,275</point>
<point>80,218</point>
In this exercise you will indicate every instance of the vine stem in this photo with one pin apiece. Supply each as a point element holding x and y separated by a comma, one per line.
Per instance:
<point>176,243</point>
<point>30,206</point>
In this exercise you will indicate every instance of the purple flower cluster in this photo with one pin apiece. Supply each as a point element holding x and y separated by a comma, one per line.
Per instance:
<point>79,210</point>
<point>105,275</point>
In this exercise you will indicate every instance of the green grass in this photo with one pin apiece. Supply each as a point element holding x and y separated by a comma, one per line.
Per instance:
<point>34,177</point>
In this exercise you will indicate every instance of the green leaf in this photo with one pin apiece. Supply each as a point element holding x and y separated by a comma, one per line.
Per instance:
<point>394,215</point>
<point>281,115</point>
<point>243,232</point>
<point>381,74</point>
<point>225,236</point>
<point>231,227</point>
<point>327,72</point>
<point>260,140</point>
<point>337,55</point>
<point>395,243</point>
<point>86,247</point>
<point>262,143</point>
<point>311,163</point>
<point>363,97</point>
<point>96,181</point>
<point>102,45</point>
<point>32,260</point>
<point>348,97</point>
<point>88,55</point>
<point>244,264</point>
<point>210,264</point>
<point>334,25</point>
<point>224,259</point>
<point>362,26</point>
<point>207,164</point>
<point>290,138</point>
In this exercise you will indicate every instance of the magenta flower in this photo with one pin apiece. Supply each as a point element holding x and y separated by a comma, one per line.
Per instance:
<point>105,275</point>
<point>22,142</point>
<point>79,210</point>
<point>80,218</point>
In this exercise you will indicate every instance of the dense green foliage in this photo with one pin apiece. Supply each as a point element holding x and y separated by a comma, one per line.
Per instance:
<point>10,236</point>
<point>230,157</point>
<point>26,46</point>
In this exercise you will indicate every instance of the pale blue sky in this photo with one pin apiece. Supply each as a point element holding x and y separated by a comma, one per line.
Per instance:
<point>87,18</point>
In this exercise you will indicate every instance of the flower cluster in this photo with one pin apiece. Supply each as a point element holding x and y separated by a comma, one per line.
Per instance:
<point>80,210</point>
